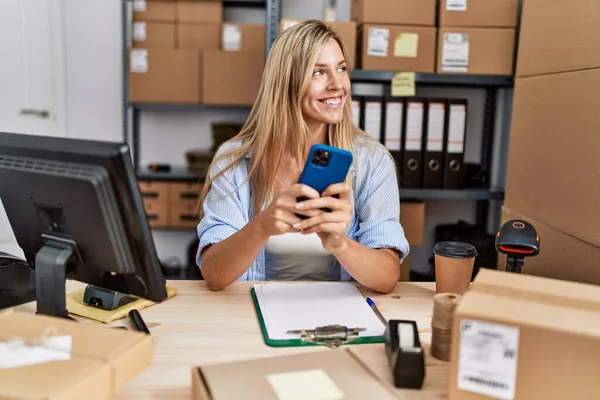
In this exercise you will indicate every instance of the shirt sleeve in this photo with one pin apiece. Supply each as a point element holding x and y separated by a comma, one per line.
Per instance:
<point>223,211</point>
<point>379,208</point>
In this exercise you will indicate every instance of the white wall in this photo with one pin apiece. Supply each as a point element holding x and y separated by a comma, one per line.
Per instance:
<point>92,36</point>
<point>94,83</point>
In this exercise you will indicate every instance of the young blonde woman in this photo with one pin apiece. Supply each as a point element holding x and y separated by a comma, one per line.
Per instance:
<point>250,229</point>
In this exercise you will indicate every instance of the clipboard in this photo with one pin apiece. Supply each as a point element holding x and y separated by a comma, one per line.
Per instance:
<point>331,336</point>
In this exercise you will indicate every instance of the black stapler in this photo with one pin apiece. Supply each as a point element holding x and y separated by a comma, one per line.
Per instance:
<point>405,354</point>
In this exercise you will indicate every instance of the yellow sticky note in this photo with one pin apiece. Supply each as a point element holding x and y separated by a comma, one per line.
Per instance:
<point>403,84</point>
<point>312,384</point>
<point>406,45</point>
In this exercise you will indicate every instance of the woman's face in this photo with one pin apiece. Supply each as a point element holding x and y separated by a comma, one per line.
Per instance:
<point>328,89</point>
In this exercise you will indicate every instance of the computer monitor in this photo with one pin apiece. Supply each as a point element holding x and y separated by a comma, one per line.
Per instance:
<point>76,211</point>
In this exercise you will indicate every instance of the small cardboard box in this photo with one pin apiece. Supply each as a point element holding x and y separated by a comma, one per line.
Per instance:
<point>484,51</point>
<point>401,12</point>
<point>199,37</point>
<point>153,34</point>
<point>412,218</point>
<point>397,48</point>
<point>102,360</point>
<point>519,336</point>
<point>347,31</point>
<point>247,37</point>
<point>164,75</point>
<point>202,12</point>
<point>479,13</point>
<point>558,36</point>
<point>154,10</point>
<point>222,82</point>
<point>329,374</point>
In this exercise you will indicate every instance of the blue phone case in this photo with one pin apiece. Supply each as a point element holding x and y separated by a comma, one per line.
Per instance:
<point>324,166</point>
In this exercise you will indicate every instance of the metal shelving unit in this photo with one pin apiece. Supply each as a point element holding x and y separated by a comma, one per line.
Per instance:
<point>273,15</point>
<point>486,198</point>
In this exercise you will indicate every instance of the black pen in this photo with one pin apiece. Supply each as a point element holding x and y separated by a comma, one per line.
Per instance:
<point>138,322</point>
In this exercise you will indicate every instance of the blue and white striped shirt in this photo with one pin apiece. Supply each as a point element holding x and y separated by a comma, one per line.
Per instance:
<point>375,218</point>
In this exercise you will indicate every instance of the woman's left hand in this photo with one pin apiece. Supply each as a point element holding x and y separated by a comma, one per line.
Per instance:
<point>330,226</point>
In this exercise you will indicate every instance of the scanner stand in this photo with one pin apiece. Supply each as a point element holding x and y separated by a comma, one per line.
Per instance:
<point>51,265</point>
<point>104,298</point>
<point>514,263</point>
<point>407,363</point>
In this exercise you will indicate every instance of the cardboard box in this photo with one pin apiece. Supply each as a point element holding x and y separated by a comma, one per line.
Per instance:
<point>199,11</point>
<point>222,82</point>
<point>102,360</point>
<point>479,13</point>
<point>412,218</point>
<point>153,34</point>
<point>558,36</point>
<point>396,48</point>
<point>199,37</point>
<point>518,336</point>
<point>320,374</point>
<point>401,12</point>
<point>553,161</point>
<point>485,51</point>
<point>154,10</point>
<point>247,37</point>
<point>164,75</point>
<point>561,256</point>
<point>347,31</point>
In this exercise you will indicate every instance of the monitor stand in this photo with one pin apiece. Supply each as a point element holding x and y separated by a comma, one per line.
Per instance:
<point>51,264</point>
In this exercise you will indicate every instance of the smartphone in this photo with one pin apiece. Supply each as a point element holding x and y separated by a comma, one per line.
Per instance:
<point>324,166</point>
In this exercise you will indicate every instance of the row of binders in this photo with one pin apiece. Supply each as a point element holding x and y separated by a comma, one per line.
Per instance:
<point>425,136</point>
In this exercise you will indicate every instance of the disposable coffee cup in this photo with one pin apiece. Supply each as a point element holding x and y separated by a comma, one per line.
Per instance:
<point>453,266</point>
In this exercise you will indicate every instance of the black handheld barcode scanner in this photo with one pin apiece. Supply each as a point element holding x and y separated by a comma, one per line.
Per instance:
<point>517,239</point>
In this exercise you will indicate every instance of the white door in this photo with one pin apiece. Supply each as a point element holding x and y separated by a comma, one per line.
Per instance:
<point>32,99</point>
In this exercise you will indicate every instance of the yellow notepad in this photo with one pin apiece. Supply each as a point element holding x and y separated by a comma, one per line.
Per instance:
<point>75,305</point>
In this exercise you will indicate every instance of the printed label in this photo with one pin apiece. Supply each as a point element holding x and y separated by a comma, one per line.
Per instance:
<point>456,128</point>
<point>378,42</point>
<point>139,61</point>
<point>139,31</point>
<point>232,37</point>
<point>487,361</point>
<point>455,52</point>
<point>435,127</point>
<point>456,5</point>
<point>139,5</point>
<point>414,127</point>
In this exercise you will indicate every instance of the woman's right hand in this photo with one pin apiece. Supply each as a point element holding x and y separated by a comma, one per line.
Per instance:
<point>280,216</point>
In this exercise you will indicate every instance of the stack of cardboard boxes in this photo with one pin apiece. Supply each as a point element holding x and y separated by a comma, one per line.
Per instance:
<point>396,35</point>
<point>554,155</point>
<point>477,37</point>
<point>182,52</point>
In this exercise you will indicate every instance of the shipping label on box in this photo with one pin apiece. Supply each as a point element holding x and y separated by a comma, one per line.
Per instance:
<point>378,42</point>
<point>455,52</point>
<point>487,358</point>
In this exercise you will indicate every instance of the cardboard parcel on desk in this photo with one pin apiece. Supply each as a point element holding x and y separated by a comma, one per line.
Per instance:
<point>101,359</point>
<point>525,337</point>
<point>317,375</point>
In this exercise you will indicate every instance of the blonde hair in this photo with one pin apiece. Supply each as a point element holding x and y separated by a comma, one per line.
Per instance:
<point>276,122</point>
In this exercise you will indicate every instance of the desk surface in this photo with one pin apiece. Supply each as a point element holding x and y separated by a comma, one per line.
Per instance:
<point>199,327</point>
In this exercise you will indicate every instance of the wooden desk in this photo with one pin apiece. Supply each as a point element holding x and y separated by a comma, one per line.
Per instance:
<point>198,327</point>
